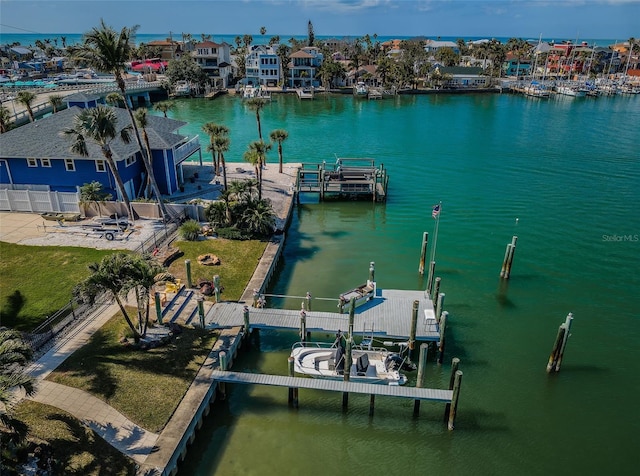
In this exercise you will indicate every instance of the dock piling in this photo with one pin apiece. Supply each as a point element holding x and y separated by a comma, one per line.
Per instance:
<point>413,329</point>
<point>439,303</point>
<point>352,312</point>
<point>454,400</point>
<point>443,323</point>
<point>293,391</point>
<point>200,301</point>
<point>222,387</point>
<point>348,362</point>
<point>508,258</point>
<point>422,363</point>
<point>303,325</point>
<point>308,299</point>
<point>423,252</point>
<point>245,315</point>
<point>372,271</point>
<point>436,289</point>
<point>455,363</point>
<point>555,359</point>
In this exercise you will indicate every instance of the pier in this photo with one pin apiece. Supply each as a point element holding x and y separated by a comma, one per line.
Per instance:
<point>348,178</point>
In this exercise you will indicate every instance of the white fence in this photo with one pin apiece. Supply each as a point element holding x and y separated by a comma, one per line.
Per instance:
<point>39,201</point>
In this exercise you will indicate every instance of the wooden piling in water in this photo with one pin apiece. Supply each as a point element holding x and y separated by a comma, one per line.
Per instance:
<point>422,363</point>
<point>503,270</point>
<point>555,359</point>
<point>187,264</point>
<point>455,363</point>
<point>432,270</point>
<point>508,258</point>
<point>413,328</point>
<point>443,323</point>
<point>245,315</point>
<point>308,299</point>
<point>222,360</point>
<point>372,271</point>
<point>454,399</point>
<point>423,252</point>
<point>372,403</point>
<point>293,391</point>
<point>352,314</point>
<point>439,304</point>
<point>348,362</point>
<point>436,289</point>
<point>303,326</point>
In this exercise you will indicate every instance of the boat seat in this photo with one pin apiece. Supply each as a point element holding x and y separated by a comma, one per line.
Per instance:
<point>372,371</point>
<point>362,364</point>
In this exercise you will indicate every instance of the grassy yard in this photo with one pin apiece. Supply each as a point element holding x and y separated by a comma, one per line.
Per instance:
<point>238,261</point>
<point>146,386</point>
<point>37,280</point>
<point>77,450</point>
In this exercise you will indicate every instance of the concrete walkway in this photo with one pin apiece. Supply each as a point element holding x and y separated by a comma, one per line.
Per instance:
<point>106,421</point>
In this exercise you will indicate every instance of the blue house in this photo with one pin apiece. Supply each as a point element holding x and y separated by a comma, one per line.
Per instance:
<point>36,156</point>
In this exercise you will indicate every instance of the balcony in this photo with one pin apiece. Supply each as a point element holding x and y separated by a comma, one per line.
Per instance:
<point>182,152</point>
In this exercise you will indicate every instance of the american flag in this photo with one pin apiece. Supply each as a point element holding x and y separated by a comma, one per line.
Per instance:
<point>436,211</point>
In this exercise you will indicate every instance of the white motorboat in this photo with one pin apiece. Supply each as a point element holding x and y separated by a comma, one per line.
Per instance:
<point>536,90</point>
<point>571,91</point>
<point>361,89</point>
<point>182,88</point>
<point>375,365</point>
<point>305,93</point>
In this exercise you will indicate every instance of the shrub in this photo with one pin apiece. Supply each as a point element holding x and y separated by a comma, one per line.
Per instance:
<point>232,233</point>
<point>190,230</point>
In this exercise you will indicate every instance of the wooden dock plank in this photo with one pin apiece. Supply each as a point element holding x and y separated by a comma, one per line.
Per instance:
<point>431,394</point>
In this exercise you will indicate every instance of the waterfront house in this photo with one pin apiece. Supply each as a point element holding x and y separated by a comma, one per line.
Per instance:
<point>464,77</point>
<point>215,61</point>
<point>304,67</point>
<point>37,157</point>
<point>514,66</point>
<point>262,66</point>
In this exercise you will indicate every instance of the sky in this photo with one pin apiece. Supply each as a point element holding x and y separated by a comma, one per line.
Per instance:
<point>559,19</point>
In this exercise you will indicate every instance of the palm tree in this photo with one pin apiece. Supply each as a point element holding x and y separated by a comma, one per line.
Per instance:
<point>259,218</point>
<point>56,102</point>
<point>214,130</point>
<point>256,104</point>
<point>144,274</point>
<point>5,119</point>
<point>253,157</point>
<point>260,148</point>
<point>279,136</point>
<point>15,353</point>
<point>141,120</point>
<point>114,99</point>
<point>92,192</point>
<point>100,125</point>
<point>221,145</point>
<point>165,106</point>
<point>26,98</point>
<point>105,49</point>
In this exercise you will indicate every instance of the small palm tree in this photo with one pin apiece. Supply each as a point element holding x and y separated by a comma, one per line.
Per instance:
<point>259,218</point>
<point>26,98</point>
<point>256,104</point>
<point>214,130</point>
<point>261,149</point>
<point>100,125</point>
<point>15,354</point>
<point>221,145</point>
<point>93,193</point>
<point>165,106</point>
<point>56,102</point>
<point>279,136</point>
<point>114,99</point>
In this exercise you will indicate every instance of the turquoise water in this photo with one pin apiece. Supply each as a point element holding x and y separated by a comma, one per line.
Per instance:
<point>569,171</point>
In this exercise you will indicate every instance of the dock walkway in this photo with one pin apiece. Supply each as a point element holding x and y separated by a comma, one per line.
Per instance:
<point>387,315</point>
<point>416,393</point>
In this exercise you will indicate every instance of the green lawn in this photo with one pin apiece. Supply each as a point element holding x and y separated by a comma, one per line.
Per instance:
<point>238,261</point>
<point>37,280</point>
<point>77,450</point>
<point>146,386</point>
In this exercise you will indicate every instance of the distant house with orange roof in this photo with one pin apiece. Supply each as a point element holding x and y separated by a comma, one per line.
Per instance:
<point>215,61</point>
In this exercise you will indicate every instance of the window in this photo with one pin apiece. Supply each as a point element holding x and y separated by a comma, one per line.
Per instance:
<point>32,162</point>
<point>101,166</point>
<point>45,162</point>
<point>130,161</point>
<point>70,165</point>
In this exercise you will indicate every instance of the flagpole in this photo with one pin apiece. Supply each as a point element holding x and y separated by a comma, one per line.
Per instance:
<point>433,250</point>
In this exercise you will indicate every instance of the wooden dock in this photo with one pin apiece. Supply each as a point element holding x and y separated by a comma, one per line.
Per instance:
<point>415,393</point>
<point>347,178</point>
<point>387,316</point>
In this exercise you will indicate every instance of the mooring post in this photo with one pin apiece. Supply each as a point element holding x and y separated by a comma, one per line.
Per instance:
<point>308,298</point>
<point>216,287</point>
<point>352,312</point>
<point>222,359</point>
<point>156,297</point>
<point>413,328</point>
<point>348,362</point>
<point>454,399</point>
<point>443,323</point>
<point>455,362</point>
<point>505,260</point>
<point>555,359</point>
<point>245,315</point>
<point>432,270</point>
<point>439,303</point>
<point>303,325</point>
<point>423,251</point>
<point>372,404</point>
<point>422,363</point>
<point>187,264</point>
<point>200,301</point>
<point>293,391</point>
<point>372,271</point>
<point>512,252</point>
<point>436,290</point>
